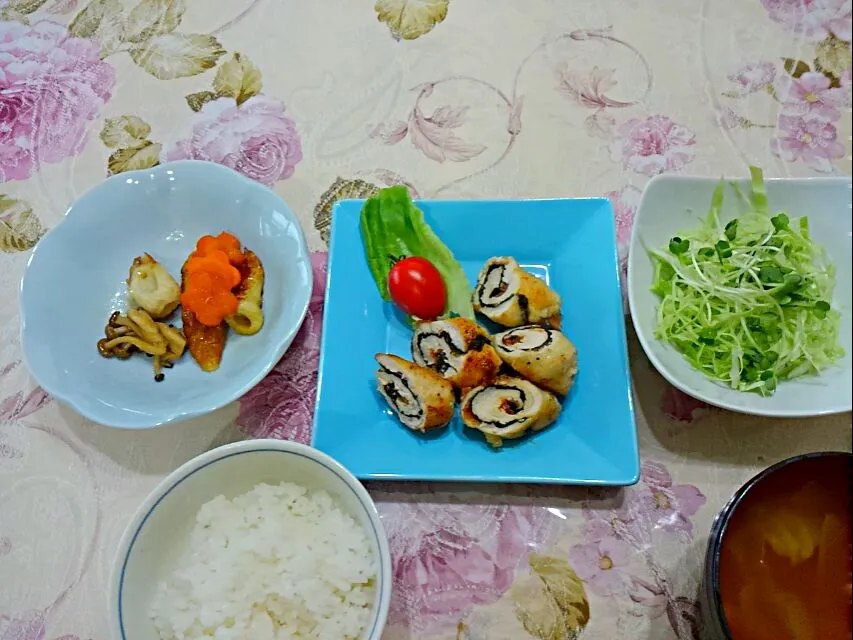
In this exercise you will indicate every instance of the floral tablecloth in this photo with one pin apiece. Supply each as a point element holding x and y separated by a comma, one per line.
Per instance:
<point>455,98</point>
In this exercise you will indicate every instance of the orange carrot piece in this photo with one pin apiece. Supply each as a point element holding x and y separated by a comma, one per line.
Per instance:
<point>217,264</point>
<point>205,245</point>
<point>208,288</point>
<point>225,242</point>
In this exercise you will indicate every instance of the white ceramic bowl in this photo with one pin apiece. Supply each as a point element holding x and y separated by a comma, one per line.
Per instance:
<point>155,536</point>
<point>671,204</point>
<point>76,277</point>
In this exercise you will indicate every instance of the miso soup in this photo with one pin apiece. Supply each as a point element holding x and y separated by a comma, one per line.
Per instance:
<point>785,559</point>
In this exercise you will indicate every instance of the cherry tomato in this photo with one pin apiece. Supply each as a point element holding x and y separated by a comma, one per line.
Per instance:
<point>417,287</point>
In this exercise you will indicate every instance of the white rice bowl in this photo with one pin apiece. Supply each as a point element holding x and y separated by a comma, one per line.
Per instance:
<point>277,562</point>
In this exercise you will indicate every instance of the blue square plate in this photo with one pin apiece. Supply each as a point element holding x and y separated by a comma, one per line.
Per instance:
<point>569,243</point>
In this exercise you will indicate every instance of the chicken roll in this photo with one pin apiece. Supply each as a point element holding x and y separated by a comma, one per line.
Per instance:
<point>458,349</point>
<point>509,295</point>
<point>421,399</point>
<point>542,355</point>
<point>508,408</point>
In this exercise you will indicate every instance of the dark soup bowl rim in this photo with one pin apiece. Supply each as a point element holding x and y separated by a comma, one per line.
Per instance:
<point>720,525</point>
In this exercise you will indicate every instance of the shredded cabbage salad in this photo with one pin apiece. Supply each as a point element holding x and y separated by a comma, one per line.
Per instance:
<point>748,302</point>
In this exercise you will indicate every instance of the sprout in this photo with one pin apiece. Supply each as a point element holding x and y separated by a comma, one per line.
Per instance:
<point>748,303</point>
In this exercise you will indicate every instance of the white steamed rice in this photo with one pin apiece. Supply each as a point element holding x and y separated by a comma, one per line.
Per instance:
<point>277,562</point>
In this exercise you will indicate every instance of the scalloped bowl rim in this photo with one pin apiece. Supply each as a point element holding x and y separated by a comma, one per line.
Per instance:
<point>70,217</point>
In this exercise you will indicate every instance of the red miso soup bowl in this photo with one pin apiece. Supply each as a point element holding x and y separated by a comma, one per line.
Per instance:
<point>778,564</point>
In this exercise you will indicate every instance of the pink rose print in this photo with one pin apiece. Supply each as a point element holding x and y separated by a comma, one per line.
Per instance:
<point>600,524</point>
<point>650,595</point>
<point>845,85</point>
<point>625,203</point>
<point>282,404</point>
<point>385,178</point>
<point>600,124</point>
<point>390,133</point>
<point>17,406</point>
<point>8,368</point>
<point>810,95</point>
<point>61,6</point>
<point>664,505</point>
<point>754,76</point>
<point>679,406</point>
<point>51,87</point>
<point>451,557</point>
<point>807,139</point>
<point>435,135</point>
<point>728,119</point>
<point>9,452</point>
<point>255,138</point>
<point>654,503</point>
<point>813,19</point>
<point>29,627</point>
<point>601,565</point>
<point>653,145</point>
<point>616,534</point>
<point>589,89</point>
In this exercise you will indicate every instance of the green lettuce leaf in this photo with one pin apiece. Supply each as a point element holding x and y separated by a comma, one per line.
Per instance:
<point>392,227</point>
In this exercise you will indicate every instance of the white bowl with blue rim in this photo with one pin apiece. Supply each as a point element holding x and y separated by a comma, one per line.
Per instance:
<point>159,531</point>
<point>76,276</point>
<point>673,203</point>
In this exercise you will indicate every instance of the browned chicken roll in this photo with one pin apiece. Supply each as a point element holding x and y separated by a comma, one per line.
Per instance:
<point>510,296</point>
<point>544,356</point>
<point>420,398</point>
<point>508,408</point>
<point>458,349</point>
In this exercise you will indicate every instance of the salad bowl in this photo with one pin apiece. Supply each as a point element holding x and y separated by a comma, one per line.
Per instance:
<point>672,204</point>
<point>76,278</point>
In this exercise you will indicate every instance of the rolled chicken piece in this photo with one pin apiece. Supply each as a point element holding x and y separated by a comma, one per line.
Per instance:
<point>508,408</point>
<point>458,349</point>
<point>544,356</point>
<point>510,296</point>
<point>420,398</point>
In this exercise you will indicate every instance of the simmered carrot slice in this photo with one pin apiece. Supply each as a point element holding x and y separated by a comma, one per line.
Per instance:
<point>225,242</point>
<point>207,291</point>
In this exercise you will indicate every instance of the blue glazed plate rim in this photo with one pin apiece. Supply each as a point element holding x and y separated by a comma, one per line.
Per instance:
<point>625,477</point>
<point>223,397</point>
